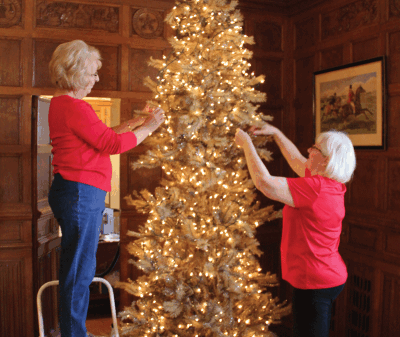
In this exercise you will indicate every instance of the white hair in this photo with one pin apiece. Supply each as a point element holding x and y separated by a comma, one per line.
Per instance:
<point>68,64</point>
<point>338,147</point>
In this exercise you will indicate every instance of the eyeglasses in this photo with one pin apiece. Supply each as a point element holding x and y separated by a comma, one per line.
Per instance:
<point>314,147</point>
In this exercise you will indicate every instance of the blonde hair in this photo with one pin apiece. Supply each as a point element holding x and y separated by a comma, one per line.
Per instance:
<point>68,64</point>
<point>338,147</point>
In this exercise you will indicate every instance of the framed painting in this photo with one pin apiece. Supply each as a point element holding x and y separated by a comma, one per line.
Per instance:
<point>352,98</point>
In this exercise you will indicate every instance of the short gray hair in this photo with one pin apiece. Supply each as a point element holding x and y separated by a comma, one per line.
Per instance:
<point>338,147</point>
<point>68,64</point>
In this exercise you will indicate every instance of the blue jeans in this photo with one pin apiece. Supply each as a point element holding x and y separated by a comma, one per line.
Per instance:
<point>78,209</point>
<point>312,311</point>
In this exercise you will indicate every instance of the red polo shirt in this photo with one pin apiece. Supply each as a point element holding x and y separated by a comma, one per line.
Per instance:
<point>311,233</point>
<point>82,143</point>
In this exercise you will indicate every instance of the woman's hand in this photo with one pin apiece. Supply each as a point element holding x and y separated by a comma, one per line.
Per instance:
<point>242,138</point>
<point>136,122</point>
<point>266,130</point>
<point>129,126</point>
<point>154,119</point>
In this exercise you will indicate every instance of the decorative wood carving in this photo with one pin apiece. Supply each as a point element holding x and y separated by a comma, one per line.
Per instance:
<point>268,36</point>
<point>147,23</point>
<point>10,13</point>
<point>74,15</point>
<point>394,8</point>
<point>349,17</point>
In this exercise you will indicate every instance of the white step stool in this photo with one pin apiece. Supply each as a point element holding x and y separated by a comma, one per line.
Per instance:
<point>54,283</point>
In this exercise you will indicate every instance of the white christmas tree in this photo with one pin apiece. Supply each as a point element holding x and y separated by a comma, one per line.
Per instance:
<point>198,249</point>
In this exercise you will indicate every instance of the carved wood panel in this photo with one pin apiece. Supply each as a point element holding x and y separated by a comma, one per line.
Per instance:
<point>10,61</point>
<point>349,17</point>
<point>61,14</point>
<point>11,13</point>
<point>139,69</point>
<point>147,23</point>
<point>394,9</point>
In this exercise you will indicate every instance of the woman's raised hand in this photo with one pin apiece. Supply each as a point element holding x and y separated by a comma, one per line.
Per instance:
<point>266,130</point>
<point>241,137</point>
<point>154,119</point>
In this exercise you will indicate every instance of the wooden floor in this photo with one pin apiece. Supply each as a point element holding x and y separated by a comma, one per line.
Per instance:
<point>99,326</point>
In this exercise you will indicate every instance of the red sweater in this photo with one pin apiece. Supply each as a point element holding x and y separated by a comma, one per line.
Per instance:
<point>311,233</point>
<point>82,143</point>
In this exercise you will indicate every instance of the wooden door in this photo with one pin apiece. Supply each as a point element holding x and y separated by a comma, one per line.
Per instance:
<point>48,239</point>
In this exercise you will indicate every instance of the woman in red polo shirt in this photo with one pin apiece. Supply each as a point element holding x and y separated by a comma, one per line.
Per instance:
<point>312,220</point>
<point>82,145</point>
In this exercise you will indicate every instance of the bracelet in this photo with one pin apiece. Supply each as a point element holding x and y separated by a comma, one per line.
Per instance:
<point>129,127</point>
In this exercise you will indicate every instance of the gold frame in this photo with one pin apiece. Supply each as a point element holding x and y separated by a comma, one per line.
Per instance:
<point>364,117</point>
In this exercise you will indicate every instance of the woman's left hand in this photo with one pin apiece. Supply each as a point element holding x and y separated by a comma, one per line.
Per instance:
<point>130,125</point>
<point>241,138</point>
<point>136,122</point>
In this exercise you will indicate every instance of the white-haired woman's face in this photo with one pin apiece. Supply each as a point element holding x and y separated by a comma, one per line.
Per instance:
<point>316,161</point>
<point>92,77</point>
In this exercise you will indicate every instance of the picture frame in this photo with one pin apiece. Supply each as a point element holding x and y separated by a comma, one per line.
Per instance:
<point>352,99</point>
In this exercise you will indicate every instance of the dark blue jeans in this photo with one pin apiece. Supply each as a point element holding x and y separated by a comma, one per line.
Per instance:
<point>312,311</point>
<point>78,209</point>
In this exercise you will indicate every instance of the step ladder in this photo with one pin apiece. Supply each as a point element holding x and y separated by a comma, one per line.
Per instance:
<point>55,283</point>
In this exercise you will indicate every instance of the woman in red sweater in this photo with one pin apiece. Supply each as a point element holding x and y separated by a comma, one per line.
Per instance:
<point>312,220</point>
<point>82,145</point>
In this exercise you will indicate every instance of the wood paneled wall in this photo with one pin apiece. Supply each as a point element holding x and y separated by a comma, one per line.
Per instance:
<point>333,34</point>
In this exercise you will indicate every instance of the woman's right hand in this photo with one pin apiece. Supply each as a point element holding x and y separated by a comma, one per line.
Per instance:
<point>266,130</point>
<point>154,119</point>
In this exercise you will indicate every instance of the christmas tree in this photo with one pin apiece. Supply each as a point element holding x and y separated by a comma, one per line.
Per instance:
<point>198,250</point>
